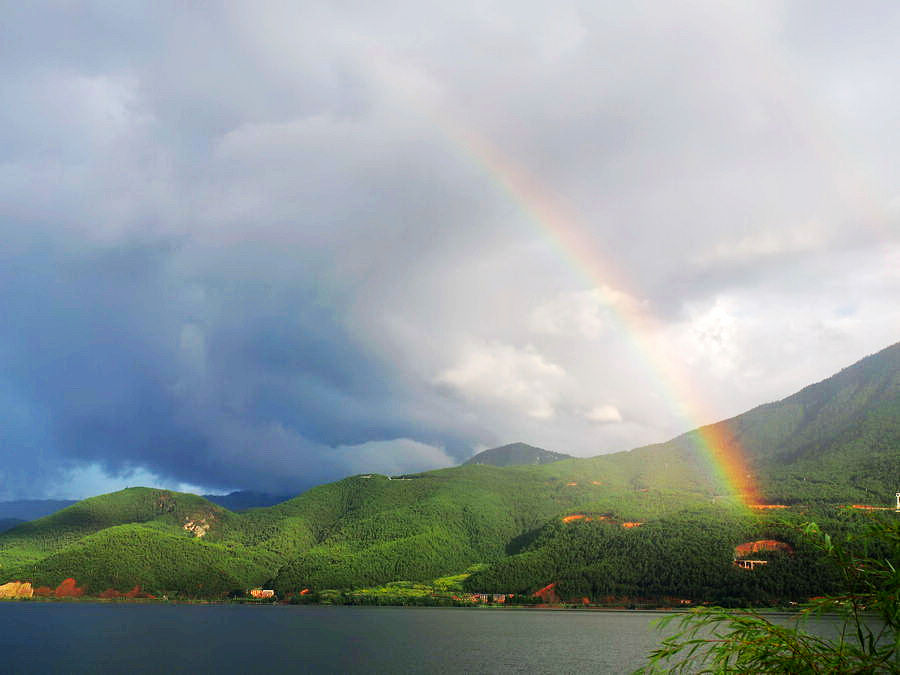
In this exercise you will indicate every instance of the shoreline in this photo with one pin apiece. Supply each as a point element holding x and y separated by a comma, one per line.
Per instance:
<point>767,611</point>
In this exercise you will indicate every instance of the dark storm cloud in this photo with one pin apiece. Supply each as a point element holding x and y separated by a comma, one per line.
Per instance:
<point>119,362</point>
<point>257,246</point>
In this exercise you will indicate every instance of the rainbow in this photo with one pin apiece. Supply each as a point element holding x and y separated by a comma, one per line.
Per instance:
<point>716,442</point>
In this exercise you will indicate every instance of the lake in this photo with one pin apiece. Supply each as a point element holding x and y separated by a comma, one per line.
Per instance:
<point>38,637</point>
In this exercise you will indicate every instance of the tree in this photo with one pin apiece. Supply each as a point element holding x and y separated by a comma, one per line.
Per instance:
<point>712,639</point>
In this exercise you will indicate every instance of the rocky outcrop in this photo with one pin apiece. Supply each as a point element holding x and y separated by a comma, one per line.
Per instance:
<point>197,526</point>
<point>165,502</point>
<point>16,589</point>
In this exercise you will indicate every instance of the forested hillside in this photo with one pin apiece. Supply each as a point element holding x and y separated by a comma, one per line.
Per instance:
<point>653,522</point>
<point>516,454</point>
<point>686,555</point>
<point>836,440</point>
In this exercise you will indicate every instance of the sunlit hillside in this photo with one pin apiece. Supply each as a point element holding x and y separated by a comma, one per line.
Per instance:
<point>605,525</point>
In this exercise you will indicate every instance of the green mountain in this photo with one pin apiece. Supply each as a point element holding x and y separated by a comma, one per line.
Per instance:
<point>516,454</point>
<point>30,509</point>
<point>837,440</point>
<point>651,522</point>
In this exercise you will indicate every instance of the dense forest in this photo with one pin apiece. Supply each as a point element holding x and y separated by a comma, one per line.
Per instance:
<point>652,523</point>
<point>685,556</point>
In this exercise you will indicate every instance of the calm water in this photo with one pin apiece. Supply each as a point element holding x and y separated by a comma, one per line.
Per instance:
<point>89,638</point>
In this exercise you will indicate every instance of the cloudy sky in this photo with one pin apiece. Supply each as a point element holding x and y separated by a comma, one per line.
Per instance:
<point>270,244</point>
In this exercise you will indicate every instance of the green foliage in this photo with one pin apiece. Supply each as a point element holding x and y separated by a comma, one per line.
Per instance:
<point>161,509</point>
<point>515,454</point>
<point>718,640</point>
<point>687,555</point>
<point>833,443</point>
<point>123,556</point>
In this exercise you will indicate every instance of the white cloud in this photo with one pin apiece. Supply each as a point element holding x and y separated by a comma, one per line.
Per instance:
<point>496,372</point>
<point>578,312</point>
<point>766,243</point>
<point>603,414</point>
<point>91,479</point>
<point>708,337</point>
<point>584,313</point>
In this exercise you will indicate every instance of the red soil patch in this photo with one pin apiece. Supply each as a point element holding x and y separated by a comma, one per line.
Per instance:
<point>761,545</point>
<point>137,593</point>
<point>548,594</point>
<point>632,523</point>
<point>68,589</point>
<point>43,591</point>
<point>111,593</point>
<point>304,591</point>
<point>581,516</point>
<point>769,506</point>
<point>596,482</point>
<point>586,518</point>
<point>572,484</point>
<point>867,507</point>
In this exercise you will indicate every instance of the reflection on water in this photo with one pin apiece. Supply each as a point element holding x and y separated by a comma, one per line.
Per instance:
<point>83,637</point>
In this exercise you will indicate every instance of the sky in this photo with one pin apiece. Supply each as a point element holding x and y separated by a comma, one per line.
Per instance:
<point>265,245</point>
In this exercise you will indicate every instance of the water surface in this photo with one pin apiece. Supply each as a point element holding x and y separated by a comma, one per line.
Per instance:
<point>88,638</point>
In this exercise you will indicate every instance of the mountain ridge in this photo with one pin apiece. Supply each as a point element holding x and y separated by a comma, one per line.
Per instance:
<point>515,454</point>
<point>23,510</point>
<point>834,443</point>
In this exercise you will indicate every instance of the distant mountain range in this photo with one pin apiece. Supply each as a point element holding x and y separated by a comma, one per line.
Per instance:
<point>9,523</point>
<point>29,509</point>
<point>653,522</point>
<point>242,500</point>
<point>15,512</point>
<point>516,454</point>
